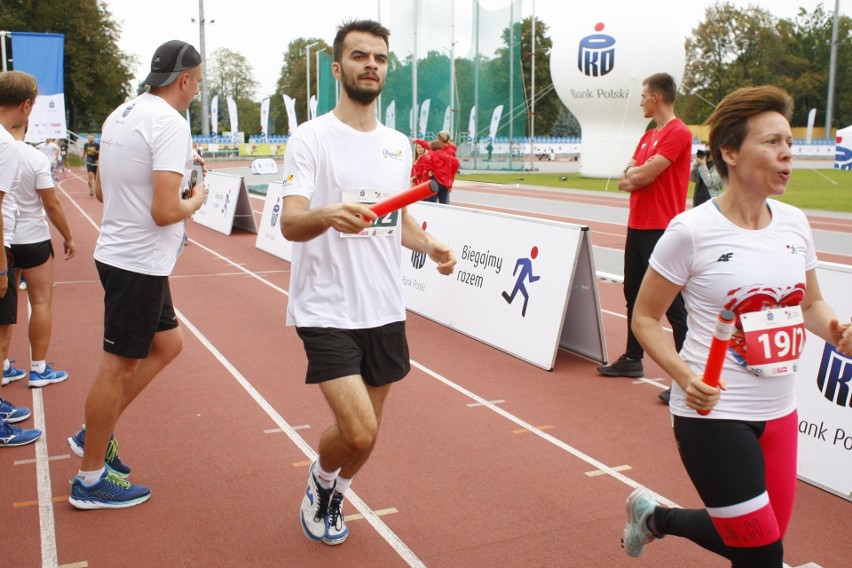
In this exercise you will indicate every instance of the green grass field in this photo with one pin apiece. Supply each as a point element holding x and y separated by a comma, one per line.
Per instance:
<point>825,190</point>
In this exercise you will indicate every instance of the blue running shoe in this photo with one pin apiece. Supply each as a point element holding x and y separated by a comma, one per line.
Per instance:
<point>13,436</point>
<point>11,413</point>
<point>13,374</point>
<point>639,506</point>
<point>336,530</point>
<point>77,442</point>
<point>110,492</point>
<point>48,377</point>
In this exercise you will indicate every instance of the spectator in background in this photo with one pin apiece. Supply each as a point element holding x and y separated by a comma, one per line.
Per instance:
<point>657,179</point>
<point>707,181</point>
<point>91,155</point>
<point>441,165</point>
<point>63,155</point>
<point>51,152</point>
<point>421,148</point>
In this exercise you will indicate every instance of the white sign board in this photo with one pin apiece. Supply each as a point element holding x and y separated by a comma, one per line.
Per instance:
<point>514,282</point>
<point>823,386</point>
<point>269,237</point>
<point>227,205</point>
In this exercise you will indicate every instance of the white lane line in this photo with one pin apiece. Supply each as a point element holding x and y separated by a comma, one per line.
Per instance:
<point>47,523</point>
<point>51,458</point>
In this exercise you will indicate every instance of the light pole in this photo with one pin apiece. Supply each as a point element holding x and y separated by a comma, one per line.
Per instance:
<point>308,78</point>
<point>319,72</point>
<point>205,103</point>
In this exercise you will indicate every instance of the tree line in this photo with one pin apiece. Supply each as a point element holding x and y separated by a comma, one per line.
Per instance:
<point>730,48</point>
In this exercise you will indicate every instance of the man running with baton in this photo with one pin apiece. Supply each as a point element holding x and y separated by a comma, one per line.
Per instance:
<point>345,284</point>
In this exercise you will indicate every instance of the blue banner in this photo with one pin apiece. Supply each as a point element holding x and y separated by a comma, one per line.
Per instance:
<point>43,56</point>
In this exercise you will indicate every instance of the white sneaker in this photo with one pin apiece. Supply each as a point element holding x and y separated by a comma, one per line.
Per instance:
<point>314,507</point>
<point>335,527</point>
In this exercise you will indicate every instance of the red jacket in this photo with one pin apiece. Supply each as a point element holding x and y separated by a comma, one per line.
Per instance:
<point>442,163</point>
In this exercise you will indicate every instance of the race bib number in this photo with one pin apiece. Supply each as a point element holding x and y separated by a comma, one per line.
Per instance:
<point>384,226</point>
<point>774,340</point>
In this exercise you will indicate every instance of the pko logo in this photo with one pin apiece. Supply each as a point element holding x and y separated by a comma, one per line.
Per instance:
<point>596,56</point>
<point>835,375</point>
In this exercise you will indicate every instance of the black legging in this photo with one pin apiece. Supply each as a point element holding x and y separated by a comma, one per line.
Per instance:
<point>727,461</point>
<point>637,252</point>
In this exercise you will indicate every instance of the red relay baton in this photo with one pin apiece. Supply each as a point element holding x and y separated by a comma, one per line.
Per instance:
<point>406,198</point>
<point>718,348</point>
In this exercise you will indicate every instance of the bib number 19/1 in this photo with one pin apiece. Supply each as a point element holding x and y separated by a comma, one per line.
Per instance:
<point>774,340</point>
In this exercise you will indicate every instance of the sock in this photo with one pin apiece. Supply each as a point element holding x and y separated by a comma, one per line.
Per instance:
<point>6,364</point>
<point>37,366</point>
<point>89,478</point>
<point>651,524</point>
<point>325,478</point>
<point>342,485</point>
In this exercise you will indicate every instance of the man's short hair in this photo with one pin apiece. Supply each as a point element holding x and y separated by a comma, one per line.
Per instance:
<point>664,85</point>
<point>17,87</point>
<point>371,27</point>
<point>170,60</point>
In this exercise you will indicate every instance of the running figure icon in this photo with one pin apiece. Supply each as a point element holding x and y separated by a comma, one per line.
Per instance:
<point>525,266</point>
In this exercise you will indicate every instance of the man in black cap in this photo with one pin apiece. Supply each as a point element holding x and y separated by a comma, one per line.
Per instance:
<point>145,164</point>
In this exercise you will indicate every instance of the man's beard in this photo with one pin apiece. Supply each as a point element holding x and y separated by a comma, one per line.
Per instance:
<point>358,94</point>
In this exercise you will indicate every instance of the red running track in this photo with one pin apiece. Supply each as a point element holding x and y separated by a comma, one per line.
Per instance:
<point>483,460</point>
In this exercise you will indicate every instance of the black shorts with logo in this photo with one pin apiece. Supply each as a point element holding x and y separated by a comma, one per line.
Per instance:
<point>379,354</point>
<point>136,306</point>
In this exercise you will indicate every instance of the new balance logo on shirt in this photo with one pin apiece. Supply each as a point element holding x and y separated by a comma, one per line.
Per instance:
<point>725,257</point>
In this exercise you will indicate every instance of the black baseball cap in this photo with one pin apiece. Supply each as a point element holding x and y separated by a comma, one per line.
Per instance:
<point>170,60</point>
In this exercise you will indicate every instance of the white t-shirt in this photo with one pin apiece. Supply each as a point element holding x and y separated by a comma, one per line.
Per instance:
<point>724,266</point>
<point>35,176</point>
<point>140,137</point>
<point>10,176</point>
<point>338,281</point>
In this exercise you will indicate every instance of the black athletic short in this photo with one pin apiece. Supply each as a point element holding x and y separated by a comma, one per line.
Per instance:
<point>92,168</point>
<point>9,302</point>
<point>136,306</point>
<point>32,255</point>
<point>379,354</point>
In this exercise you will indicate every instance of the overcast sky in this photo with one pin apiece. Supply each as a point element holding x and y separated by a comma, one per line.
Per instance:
<point>261,30</point>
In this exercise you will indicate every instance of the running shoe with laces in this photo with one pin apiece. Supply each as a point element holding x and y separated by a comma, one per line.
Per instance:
<point>48,377</point>
<point>11,413</point>
<point>11,435</point>
<point>336,530</point>
<point>113,463</point>
<point>315,507</point>
<point>110,492</point>
<point>624,367</point>
<point>13,374</point>
<point>639,506</point>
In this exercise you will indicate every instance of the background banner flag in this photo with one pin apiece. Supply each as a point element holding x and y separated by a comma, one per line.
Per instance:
<point>43,56</point>
<point>232,116</point>
<point>290,105</point>
<point>390,115</point>
<point>214,115</point>
<point>264,117</point>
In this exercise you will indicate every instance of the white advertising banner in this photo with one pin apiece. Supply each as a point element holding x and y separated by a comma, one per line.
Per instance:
<point>269,237</point>
<point>512,285</point>
<point>823,386</point>
<point>226,206</point>
<point>47,119</point>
